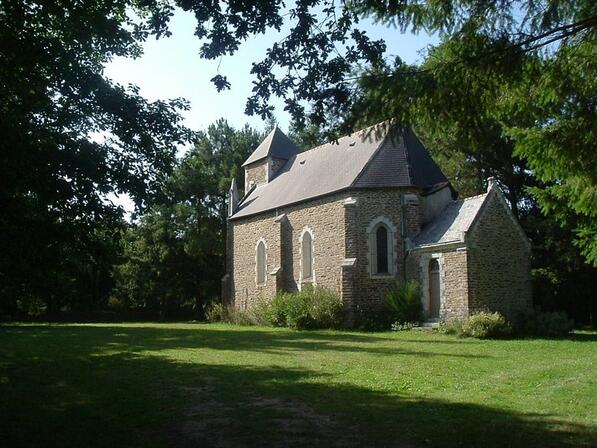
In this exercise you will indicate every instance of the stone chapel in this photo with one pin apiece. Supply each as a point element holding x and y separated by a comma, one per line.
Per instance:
<point>359,214</point>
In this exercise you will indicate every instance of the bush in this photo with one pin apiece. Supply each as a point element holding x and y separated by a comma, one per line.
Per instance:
<point>481,325</point>
<point>32,306</point>
<point>327,309</point>
<point>278,309</point>
<point>234,315</point>
<point>404,301</point>
<point>310,308</point>
<point>116,303</point>
<point>554,323</point>
<point>374,320</point>
<point>259,312</point>
<point>485,325</point>
<point>215,312</point>
<point>452,326</point>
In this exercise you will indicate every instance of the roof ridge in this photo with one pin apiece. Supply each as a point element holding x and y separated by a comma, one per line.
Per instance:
<point>473,197</point>
<point>333,142</point>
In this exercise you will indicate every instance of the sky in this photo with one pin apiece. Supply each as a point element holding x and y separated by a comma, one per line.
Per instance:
<point>171,68</point>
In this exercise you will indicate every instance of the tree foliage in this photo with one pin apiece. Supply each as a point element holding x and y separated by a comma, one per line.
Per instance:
<point>174,257</point>
<point>70,138</point>
<point>511,87</point>
<point>508,92</point>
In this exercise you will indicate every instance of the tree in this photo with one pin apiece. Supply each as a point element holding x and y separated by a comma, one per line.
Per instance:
<point>70,138</point>
<point>174,258</point>
<point>529,63</point>
<point>512,83</point>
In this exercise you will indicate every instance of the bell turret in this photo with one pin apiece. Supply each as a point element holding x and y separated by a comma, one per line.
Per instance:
<point>267,159</point>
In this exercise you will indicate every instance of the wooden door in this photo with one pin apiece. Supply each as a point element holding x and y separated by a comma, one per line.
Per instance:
<point>434,290</point>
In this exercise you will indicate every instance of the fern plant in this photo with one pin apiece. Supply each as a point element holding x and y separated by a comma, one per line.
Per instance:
<point>404,300</point>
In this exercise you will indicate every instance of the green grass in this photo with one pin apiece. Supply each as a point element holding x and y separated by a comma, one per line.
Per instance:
<point>220,385</point>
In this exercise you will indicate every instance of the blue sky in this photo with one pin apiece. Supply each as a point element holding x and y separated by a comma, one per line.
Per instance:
<point>171,67</point>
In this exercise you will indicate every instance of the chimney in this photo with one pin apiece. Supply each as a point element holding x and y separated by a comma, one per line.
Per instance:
<point>491,182</point>
<point>232,198</point>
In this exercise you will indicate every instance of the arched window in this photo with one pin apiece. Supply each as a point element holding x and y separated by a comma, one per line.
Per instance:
<point>381,247</point>
<point>261,261</point>
<point>381,237</point>
<point>307,256</point>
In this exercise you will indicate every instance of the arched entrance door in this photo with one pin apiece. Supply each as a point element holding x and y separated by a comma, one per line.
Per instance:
<point>434,299</point>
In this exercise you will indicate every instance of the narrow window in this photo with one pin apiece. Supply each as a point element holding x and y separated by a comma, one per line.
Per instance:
<point>381,236</point>
<point>307,261</point>
<point>261,263</point>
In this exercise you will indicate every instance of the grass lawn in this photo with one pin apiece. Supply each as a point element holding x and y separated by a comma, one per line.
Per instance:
<point>202,385</point>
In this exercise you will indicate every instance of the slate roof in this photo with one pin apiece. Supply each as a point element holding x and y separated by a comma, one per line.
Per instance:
<point>449,226</point>
<point>276,144</point>
<point>364,159</point>
<point>400,165</point>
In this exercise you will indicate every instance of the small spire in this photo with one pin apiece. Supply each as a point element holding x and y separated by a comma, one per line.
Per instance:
<point>276,145</point>
<point>232,198</point>
<point>491,182</point>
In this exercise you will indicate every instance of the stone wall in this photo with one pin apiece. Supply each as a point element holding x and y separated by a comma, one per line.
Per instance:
<point>454,281</point>
<point>323,217</point>
<point>453,266</point>
<point>369,290</point>
<point>256,173</point>
<point>498,262</point>
<point>245,237</point>
<point>489,270</point>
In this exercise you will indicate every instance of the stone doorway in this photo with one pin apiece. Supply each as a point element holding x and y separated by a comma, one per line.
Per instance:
<point>434,289</point>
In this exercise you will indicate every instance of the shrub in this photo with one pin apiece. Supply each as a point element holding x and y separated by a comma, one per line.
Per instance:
<point>554,323</point>
<point>404,301</point>
<point>452,326</point>
<point>481,325</point>
<point>259,312</point>
<point>32,305</point>
<point>310,308</point>
<point>215,312</point>
<point>278,309</point>
<point>327,309</point>
<point>234,315</point>
<point>485,325</point>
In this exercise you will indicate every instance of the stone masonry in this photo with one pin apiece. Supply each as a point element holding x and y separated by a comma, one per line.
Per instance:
<point>479,251</point>
<point>323,217</point>
<point>499,262</point>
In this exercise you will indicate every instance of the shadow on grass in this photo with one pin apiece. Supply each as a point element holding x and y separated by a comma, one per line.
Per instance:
<point>236,339</point>
<point>64,386</point>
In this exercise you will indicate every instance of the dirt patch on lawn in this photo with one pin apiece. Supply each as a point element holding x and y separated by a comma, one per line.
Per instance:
<point>257,422</point>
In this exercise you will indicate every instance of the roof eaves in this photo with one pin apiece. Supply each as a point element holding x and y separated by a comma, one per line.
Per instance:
<point>442,245</point>
<point>288,204</point>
